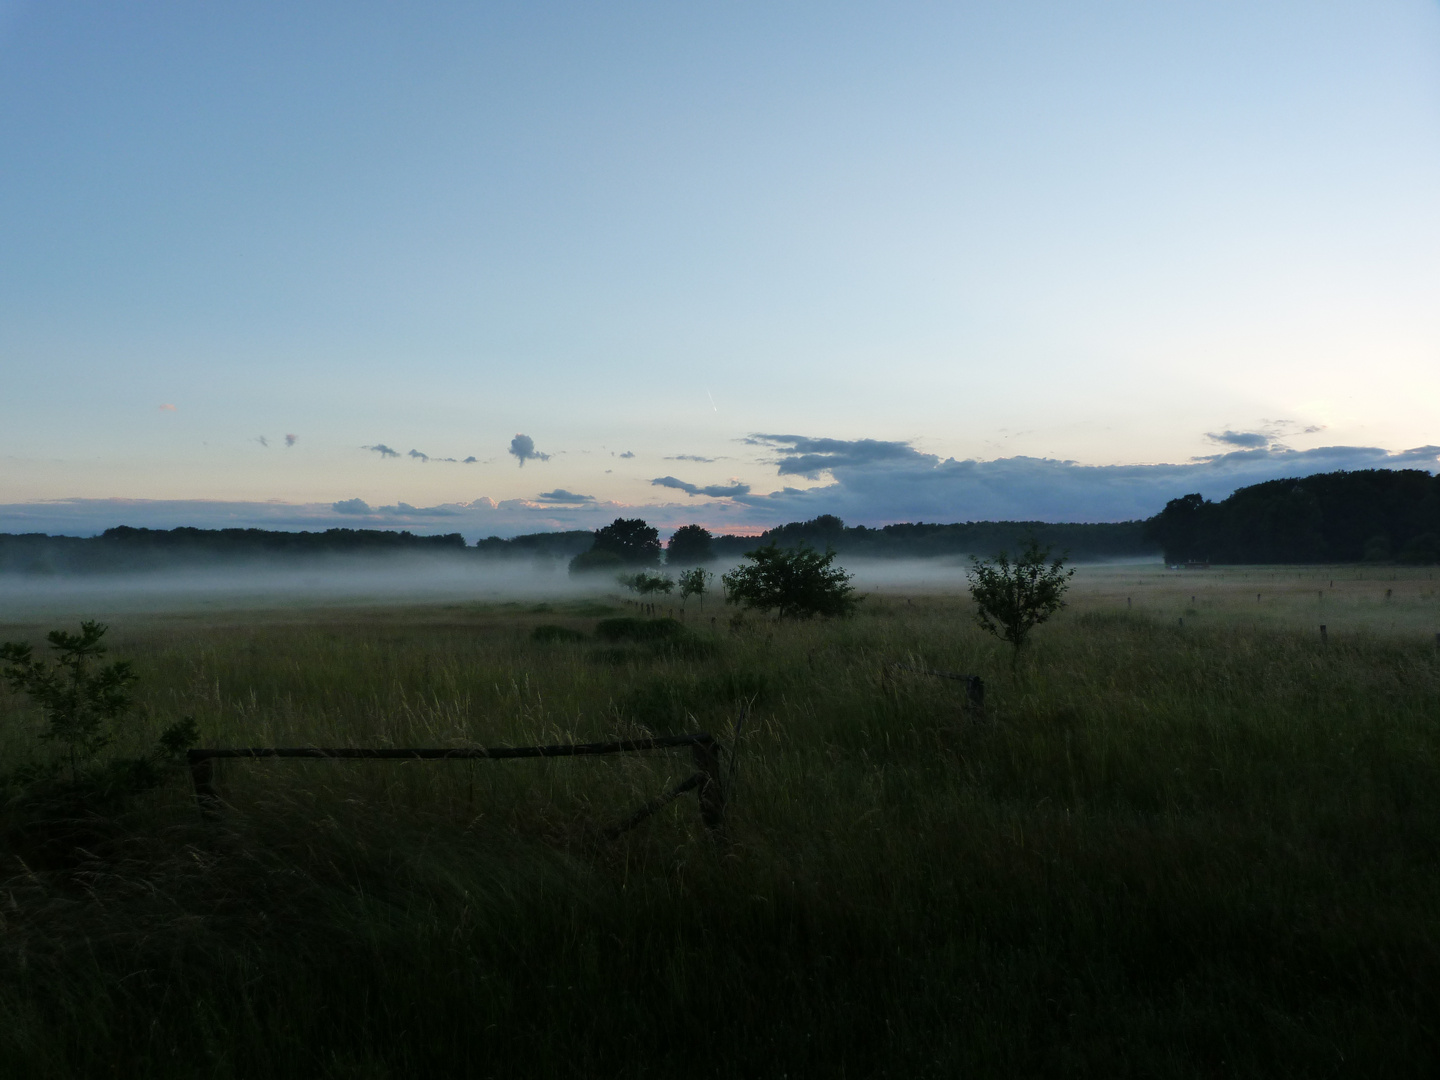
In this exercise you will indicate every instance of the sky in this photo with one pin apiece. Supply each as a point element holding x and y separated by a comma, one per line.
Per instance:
<point>500,268</point>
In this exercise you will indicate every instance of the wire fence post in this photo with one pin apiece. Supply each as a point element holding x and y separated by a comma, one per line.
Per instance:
<point>712,789</point>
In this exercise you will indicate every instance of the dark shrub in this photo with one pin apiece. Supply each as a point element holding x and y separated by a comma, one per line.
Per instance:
<point>555,633</point>
<point>640,630</point>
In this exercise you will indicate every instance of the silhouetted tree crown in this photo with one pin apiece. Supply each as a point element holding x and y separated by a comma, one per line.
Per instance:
<point>793,582</point>
<point>634,541</point>
<point>689,546</point>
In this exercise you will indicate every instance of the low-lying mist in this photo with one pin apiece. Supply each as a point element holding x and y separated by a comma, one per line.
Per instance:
<point>399,579</point>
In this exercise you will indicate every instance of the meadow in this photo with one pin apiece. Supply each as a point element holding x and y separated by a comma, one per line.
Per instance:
<point>1183,837</point>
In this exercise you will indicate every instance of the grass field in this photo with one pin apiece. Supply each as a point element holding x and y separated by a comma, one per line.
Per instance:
<point>1183,838</point>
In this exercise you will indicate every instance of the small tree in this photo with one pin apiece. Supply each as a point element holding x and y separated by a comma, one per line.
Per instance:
<point>690,544</point>
<point>693,583</point>
<point>1014,598</point>
<point>795,582</point>
<point>83,705</point>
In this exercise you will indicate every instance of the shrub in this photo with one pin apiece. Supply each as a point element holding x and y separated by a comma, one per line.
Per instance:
<point>639,630</point>
<point>85,706</point>
<point>796,583</point>
<point>646,583</point>
<point>1014,598</point>
<point>548,634</point>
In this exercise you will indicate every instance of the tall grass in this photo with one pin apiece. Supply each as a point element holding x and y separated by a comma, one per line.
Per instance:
<point>1161,851</point>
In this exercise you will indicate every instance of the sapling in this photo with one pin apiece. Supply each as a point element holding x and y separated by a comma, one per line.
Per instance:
<point>693,583</point>
<point>84,702</point>
<point>1014,598</point>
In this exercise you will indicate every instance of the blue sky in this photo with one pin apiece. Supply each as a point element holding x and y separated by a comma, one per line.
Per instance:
<point>1020,260</point>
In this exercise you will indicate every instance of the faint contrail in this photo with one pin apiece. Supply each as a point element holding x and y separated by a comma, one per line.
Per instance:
<point>712,400</point>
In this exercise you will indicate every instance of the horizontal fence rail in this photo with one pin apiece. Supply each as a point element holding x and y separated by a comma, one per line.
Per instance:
<point>704,747</point>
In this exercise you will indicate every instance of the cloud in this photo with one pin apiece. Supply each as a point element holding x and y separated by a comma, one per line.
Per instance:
<point>873,491</point>
<point>470,460</point>
<point>291,440</point>
<point>692,457</point>
<point>560,495</point>
<point>383,450</point>
<point>523,448</point>
<point>714,491</point>
<point>1247,439</point>
<point>804,456</point>
<point>167,408</point>
<point>876,483</point>
<point>418,455</point>
<point>628,454</point>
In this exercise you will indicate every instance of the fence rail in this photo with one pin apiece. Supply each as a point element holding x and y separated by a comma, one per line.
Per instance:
<point>704,747</point>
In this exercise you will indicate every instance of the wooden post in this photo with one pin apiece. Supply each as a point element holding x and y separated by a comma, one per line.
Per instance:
<point>975,690</point>
<point>712,791</point>
<point>1324,640</point>
<point>202,775</point>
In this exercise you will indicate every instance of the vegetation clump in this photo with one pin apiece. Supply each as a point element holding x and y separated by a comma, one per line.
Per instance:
<point>796,583</point>
<point>550,634</point>
<point>646,583</point>
<point>1013,598</point>
<point>86,706</point>
<point>644,631</point>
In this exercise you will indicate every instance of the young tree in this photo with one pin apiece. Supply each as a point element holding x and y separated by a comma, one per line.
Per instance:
<point>689,546</point>
<point>83,704</point>
<point>795,582</point>
<point>634,541</point>
<point>693,583</point>
<point>1014,598</point>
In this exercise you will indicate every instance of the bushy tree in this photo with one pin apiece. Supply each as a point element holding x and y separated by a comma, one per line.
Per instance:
<point>689,546</point>
<point>796,583</point>
<point>1013,598</point>
<point>693,583</point>
<point>634,541</point>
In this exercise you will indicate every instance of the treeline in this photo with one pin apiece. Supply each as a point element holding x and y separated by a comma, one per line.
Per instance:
<point>125,548</point>
<point>131,549</point>
<point>1372,515</point>
<point>1110,540</point>
<point>633,542</point>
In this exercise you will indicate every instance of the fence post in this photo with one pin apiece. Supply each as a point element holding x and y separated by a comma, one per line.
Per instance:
<point>1324,640</point>
<point>712,792</point>
<point>975,691</point>
<point>202,775</point>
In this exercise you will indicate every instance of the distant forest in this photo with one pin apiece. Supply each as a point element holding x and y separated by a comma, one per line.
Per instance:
<point>1125,539</point>
<point>1374,515</point>
<point>1378,515</point>
<point>130,549</point>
